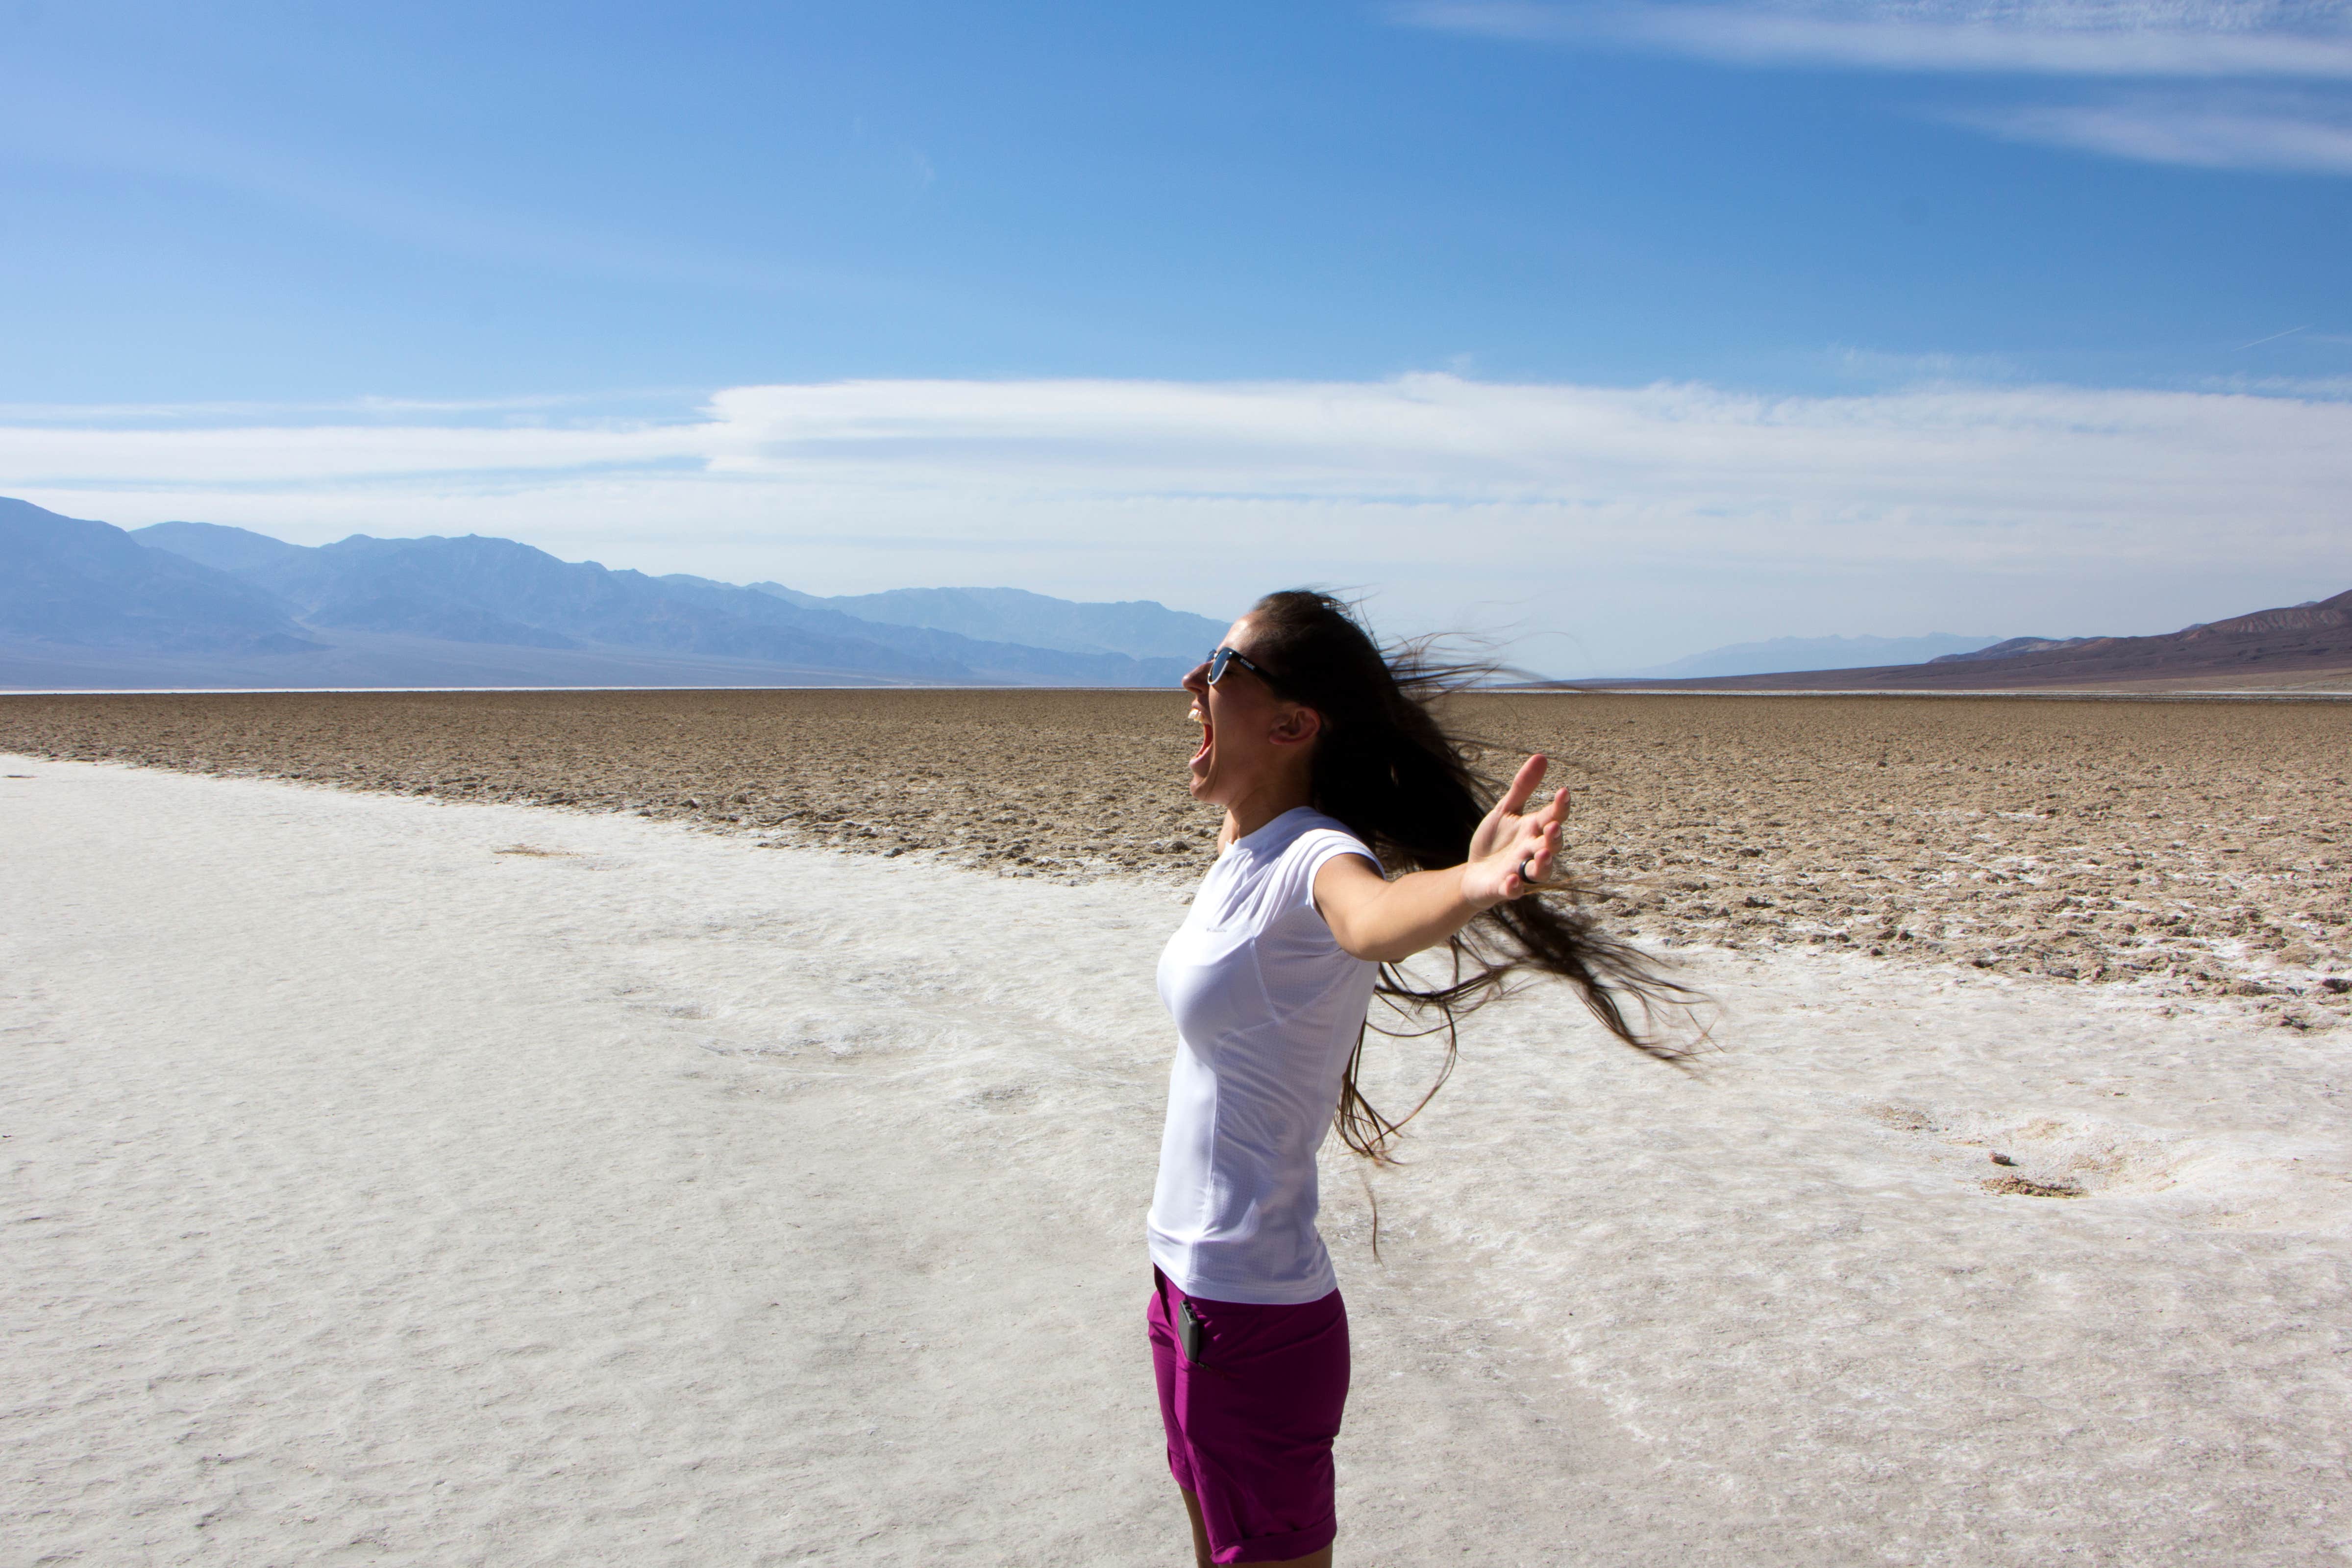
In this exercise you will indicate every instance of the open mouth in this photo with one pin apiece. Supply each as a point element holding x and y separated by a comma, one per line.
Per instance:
<point>1208,734</point>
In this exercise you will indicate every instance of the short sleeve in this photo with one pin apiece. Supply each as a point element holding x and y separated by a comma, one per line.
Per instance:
<point>1308,855</point>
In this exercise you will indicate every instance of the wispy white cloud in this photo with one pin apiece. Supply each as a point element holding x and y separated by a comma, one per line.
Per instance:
<point>1866,365</point>
<point>1441,491</point>
<point>2061,40</point>
<point>531,407</point>
<point>2242,43</point>
<point>2315,389</point>
<point>1430,438</point>
<point>2198,136</point>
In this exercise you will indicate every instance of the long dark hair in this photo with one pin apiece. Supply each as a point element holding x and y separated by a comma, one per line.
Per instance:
<point>1385,765</point>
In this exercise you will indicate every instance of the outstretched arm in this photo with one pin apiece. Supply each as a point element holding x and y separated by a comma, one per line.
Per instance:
<point>1387,922</point>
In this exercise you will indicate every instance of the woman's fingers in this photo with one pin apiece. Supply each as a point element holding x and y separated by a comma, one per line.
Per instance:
<point>1523,783</point>
<point>1539,849</point>
<point>1554,810</point>
<point>1530,841</point>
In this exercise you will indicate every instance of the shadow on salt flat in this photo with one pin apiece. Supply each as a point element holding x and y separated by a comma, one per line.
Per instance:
<point>835,1039</point>
<point>1000,1098</point>
<point>2241,1180</point>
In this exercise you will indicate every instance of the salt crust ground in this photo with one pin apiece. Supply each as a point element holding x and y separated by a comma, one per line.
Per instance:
<point>400,1182</point>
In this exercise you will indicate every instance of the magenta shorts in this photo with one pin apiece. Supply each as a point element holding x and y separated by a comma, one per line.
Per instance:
<point>1250,1425</point>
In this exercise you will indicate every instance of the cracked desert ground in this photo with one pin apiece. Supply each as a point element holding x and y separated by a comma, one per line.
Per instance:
<point>2197,845</point>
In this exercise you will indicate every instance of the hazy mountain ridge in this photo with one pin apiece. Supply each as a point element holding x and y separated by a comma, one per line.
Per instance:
<point>2311,615</point>
<point>475,589</point>
<point>2012,649</point>
<point>73,580</point>
<point>1815,653</point>
<point>217,545</point>
<point>2311,640</point>
<point>1140,629</point>
<point>994,658</point>
<point>85,603</point>
<point>85,598</point>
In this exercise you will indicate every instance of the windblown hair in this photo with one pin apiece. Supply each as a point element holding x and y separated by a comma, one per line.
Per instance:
<point>1387,767</point>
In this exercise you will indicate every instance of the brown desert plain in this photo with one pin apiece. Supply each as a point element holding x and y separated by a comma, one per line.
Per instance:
<point>2199,847</point>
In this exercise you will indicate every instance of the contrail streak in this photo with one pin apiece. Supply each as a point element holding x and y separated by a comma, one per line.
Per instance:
<point>2274,338</point>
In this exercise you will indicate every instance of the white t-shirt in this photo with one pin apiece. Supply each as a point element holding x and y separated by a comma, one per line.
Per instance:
<point>1268,1007</point>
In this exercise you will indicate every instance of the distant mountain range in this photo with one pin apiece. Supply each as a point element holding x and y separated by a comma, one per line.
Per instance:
<point>85,604</point>
<point>86,584</point>
<point>1136,627</point>
<point>1815,653</point>
<point>2269,648</point>
<point>2012,649</point>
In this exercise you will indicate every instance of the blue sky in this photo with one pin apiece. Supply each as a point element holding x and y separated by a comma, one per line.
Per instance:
<point>1630,328</point>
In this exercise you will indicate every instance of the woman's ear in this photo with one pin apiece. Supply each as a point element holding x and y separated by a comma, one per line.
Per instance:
<point>1294,726</point>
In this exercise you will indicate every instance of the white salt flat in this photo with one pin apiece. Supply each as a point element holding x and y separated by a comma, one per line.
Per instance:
<point>417,1182</point>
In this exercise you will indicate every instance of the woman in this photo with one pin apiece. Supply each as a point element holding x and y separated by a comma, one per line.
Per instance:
<point>1329,766</point>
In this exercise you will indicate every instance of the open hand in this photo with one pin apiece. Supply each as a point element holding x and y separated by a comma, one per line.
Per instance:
<point>1514,849</point>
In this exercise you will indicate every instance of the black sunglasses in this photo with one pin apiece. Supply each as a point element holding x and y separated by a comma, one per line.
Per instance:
<point>1225,656</point>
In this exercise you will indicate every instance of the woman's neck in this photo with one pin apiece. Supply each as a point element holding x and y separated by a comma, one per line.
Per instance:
<point>1253,811</point>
